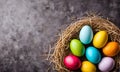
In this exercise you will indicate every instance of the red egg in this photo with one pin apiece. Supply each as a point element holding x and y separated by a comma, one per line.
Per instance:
<point>72,62</point>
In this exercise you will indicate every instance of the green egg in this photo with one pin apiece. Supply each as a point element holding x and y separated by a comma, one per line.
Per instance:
<point>77,48</point>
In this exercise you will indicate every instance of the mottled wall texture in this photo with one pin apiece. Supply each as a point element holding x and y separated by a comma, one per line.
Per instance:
<point>29,27</point>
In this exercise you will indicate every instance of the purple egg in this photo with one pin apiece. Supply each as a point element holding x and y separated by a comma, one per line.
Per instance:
<point>106,64</point>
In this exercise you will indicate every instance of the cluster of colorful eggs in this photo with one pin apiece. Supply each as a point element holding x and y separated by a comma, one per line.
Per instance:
<point>98,54</point>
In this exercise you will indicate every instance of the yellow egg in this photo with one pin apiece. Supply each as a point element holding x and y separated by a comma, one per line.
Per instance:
<point>88,67</point>
<point>100,39</point>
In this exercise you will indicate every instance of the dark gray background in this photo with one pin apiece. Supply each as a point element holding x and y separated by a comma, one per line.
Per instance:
<point>29,27</point>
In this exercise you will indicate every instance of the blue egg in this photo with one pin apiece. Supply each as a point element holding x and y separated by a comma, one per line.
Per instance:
<point>86,34</point>
<point>93,55</point>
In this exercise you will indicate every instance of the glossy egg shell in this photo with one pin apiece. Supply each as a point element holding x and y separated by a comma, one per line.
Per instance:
<point>88,67</point>
<point>86,34</point>
<point>111,49</point>
<point>72,62</point>
<point>93,55</point>
<point>77,48</point>
<point>106,64</point>
<point>100,39</point>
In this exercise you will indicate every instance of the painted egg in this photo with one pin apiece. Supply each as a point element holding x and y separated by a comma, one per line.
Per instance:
<point>93,55</point>
<point>100,39</point>
<point>111,49</point>
<point>86,34</point>
<point>88,67</point>
<point>72,62</point>
<point>106,64</point>
<point>77,48</point>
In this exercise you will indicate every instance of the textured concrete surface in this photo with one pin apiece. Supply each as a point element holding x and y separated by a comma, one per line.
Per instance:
<point>29,27</point>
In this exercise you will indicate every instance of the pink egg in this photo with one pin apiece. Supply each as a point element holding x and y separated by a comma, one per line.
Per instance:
<point>72,62</point>
<point>106,64</point>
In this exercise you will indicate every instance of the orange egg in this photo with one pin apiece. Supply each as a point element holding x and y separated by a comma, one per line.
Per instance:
<point>111,49</point>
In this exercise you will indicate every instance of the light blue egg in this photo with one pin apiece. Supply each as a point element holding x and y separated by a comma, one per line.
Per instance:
<point>86,34</point>
<point>93,55</point>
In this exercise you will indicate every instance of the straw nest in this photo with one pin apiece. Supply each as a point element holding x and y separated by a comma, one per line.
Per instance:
<point>62,49</point>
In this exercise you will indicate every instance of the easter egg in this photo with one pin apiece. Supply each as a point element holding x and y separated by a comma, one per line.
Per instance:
<point>93,54</point>
<point>106,64</point>
<point>100,39</point>
<point>88,67</point>
<point>77,48</point>
<point>86,34</point>
<point>111,49</point>
<point>72,62</point>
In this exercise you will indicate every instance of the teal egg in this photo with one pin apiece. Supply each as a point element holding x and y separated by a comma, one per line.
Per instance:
<point>77,48</point>
<point>86,34</point>
<point>93,55</point>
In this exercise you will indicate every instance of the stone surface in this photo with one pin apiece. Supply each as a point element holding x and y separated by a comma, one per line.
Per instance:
<point>29,27</point>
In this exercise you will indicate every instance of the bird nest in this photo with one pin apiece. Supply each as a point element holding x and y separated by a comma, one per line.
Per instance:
<point>62,49</point>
